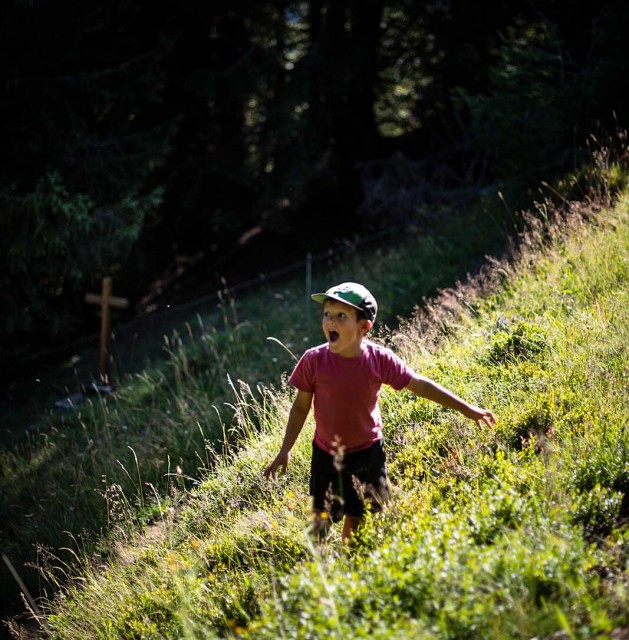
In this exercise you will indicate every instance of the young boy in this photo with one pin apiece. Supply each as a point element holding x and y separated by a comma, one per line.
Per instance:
<point>344,377</point>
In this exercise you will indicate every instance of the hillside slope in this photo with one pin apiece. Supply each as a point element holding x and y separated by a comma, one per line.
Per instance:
<point>519,531</point>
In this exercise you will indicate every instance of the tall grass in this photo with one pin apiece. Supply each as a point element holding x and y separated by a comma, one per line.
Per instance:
<point>55,485</point>
<point>516,532</point>
<point>150,506</point>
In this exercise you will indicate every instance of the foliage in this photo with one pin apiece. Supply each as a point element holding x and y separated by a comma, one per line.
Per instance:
<point>55,242</point>
<point>525,340</point>
<point>203,127</point>
<point>520,119</point>
<point>542,82</point>
<point>520,530</point>
<point>80,127</point>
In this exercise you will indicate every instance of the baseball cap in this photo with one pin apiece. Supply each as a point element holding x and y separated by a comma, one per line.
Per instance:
<point>353,294</point>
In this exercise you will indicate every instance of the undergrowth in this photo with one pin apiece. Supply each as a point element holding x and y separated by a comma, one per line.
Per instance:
<point>62,487</point>
<point>519,531</point>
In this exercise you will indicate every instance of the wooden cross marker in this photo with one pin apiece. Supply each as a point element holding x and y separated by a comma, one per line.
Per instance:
<point>106,301</point>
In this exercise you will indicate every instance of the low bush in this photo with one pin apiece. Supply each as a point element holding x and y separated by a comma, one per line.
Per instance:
<point>518,531</point>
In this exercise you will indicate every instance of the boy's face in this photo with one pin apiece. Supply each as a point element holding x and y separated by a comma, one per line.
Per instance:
<point>343,331</point>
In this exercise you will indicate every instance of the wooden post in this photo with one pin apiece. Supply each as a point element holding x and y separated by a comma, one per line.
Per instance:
<point>105,330</point>
<point>106,301</point>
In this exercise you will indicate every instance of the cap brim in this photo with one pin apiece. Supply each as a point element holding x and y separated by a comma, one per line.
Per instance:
<point>322,297</point>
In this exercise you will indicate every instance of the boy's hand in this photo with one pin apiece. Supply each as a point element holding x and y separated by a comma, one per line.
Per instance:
<point>480,415</point>
<point>281,460</point>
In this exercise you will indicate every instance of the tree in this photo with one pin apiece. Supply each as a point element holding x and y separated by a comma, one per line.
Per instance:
<point>80,120</point>
<point>553,79</point>
<point>191,127</point>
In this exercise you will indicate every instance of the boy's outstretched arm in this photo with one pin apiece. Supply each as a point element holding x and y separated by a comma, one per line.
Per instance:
<point>429,389</point>
<point>296,419</point>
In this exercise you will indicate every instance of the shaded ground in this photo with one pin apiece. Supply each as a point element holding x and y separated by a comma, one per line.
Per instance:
<point>31,387</point>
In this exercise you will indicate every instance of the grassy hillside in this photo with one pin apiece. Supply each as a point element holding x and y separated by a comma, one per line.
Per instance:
<point>516,532</point>
<point>173,392</point>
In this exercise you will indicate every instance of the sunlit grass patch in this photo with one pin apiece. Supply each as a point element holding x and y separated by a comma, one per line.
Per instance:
<point>516,531</point>
<point>492,568</point>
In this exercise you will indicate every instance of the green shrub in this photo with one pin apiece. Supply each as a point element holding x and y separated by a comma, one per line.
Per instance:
<point>485,538</point>
<point>536,423</point>
<point>598,510</point>
<point>523,341</point>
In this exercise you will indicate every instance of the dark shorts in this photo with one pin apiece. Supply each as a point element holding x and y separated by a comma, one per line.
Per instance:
<point>351,484</point>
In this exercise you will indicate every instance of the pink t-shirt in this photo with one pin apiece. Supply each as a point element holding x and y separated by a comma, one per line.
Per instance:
<point>346,392</point>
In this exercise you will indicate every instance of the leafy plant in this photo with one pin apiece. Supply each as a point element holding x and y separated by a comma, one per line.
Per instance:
<point>489,535</point>
<point>525,340</point>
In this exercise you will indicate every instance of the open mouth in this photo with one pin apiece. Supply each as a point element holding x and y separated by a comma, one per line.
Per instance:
<point>333,336</point>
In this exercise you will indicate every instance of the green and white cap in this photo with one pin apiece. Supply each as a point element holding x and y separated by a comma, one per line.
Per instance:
<point>353,294</point>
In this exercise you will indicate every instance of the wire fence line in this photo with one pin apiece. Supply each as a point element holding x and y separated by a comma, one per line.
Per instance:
<point>148,321</point>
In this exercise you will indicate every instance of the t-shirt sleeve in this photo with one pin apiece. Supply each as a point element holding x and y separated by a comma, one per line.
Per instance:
<point>395,372</point>
<point>302,377</point>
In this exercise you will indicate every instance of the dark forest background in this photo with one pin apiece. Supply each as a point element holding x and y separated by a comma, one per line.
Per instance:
<point>213,140</point>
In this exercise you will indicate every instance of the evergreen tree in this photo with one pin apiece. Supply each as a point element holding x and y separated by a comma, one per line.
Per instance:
<point>213,121</point>
<point>83,134</point>
<point>555,77</point>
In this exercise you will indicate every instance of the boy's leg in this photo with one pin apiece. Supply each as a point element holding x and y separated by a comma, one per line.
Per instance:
<point>350,524</point>
<point>366,477</point>
<point>368,487</point>
<point>327,505</point>
<point>362,483</point>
